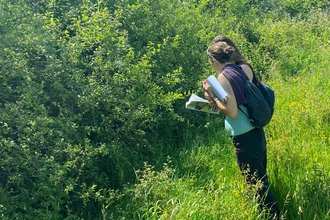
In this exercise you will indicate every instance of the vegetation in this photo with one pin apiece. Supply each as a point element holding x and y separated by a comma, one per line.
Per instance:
<point>92,118</point>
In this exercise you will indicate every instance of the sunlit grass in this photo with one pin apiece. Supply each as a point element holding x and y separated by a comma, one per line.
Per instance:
<point>298,143</point>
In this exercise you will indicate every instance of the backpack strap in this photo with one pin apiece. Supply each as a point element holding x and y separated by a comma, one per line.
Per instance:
<point>245,78</point>
<point>245,114</point>
<point>255,79</point>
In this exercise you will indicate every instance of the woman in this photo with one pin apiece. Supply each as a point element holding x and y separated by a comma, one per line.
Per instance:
<point>249,142</point>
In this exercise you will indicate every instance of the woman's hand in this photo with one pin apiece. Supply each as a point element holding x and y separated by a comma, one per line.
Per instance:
<point>208,98</point>
<point>208,93</point>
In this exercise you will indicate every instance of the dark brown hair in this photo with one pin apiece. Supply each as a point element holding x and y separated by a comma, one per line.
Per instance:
<point>221,52</point>
<point>237,56</point>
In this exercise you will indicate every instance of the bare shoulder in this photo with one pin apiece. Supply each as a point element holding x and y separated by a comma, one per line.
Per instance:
<point>247,69</point>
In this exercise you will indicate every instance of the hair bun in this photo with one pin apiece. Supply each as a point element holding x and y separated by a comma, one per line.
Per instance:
<point>221,52</point>
<point>228,50</point>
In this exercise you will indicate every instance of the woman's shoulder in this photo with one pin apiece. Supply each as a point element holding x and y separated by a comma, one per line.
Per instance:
<point>248,70</point>
<point>246,66</point>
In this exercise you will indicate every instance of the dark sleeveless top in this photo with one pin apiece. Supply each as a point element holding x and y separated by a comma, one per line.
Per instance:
<point>236,82</point>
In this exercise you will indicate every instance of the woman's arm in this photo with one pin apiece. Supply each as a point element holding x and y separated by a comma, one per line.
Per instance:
<point>230,107</point>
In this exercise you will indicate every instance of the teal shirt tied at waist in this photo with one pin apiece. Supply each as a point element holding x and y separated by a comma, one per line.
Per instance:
<point>240,124</point>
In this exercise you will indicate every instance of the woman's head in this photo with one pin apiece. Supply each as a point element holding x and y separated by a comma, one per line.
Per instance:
<point>220,52</point>
<point>237,57</point>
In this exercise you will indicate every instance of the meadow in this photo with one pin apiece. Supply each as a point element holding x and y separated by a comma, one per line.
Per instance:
<point>92,117</point>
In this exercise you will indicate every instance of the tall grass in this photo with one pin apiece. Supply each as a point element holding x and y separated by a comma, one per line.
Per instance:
<point>298,140</point>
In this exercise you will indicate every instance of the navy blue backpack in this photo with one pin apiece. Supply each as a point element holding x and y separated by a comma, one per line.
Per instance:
<point>268,94</point>
<point>261,100</point>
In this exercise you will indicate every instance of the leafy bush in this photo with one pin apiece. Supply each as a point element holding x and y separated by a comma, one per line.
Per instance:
<point>82,107</point>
